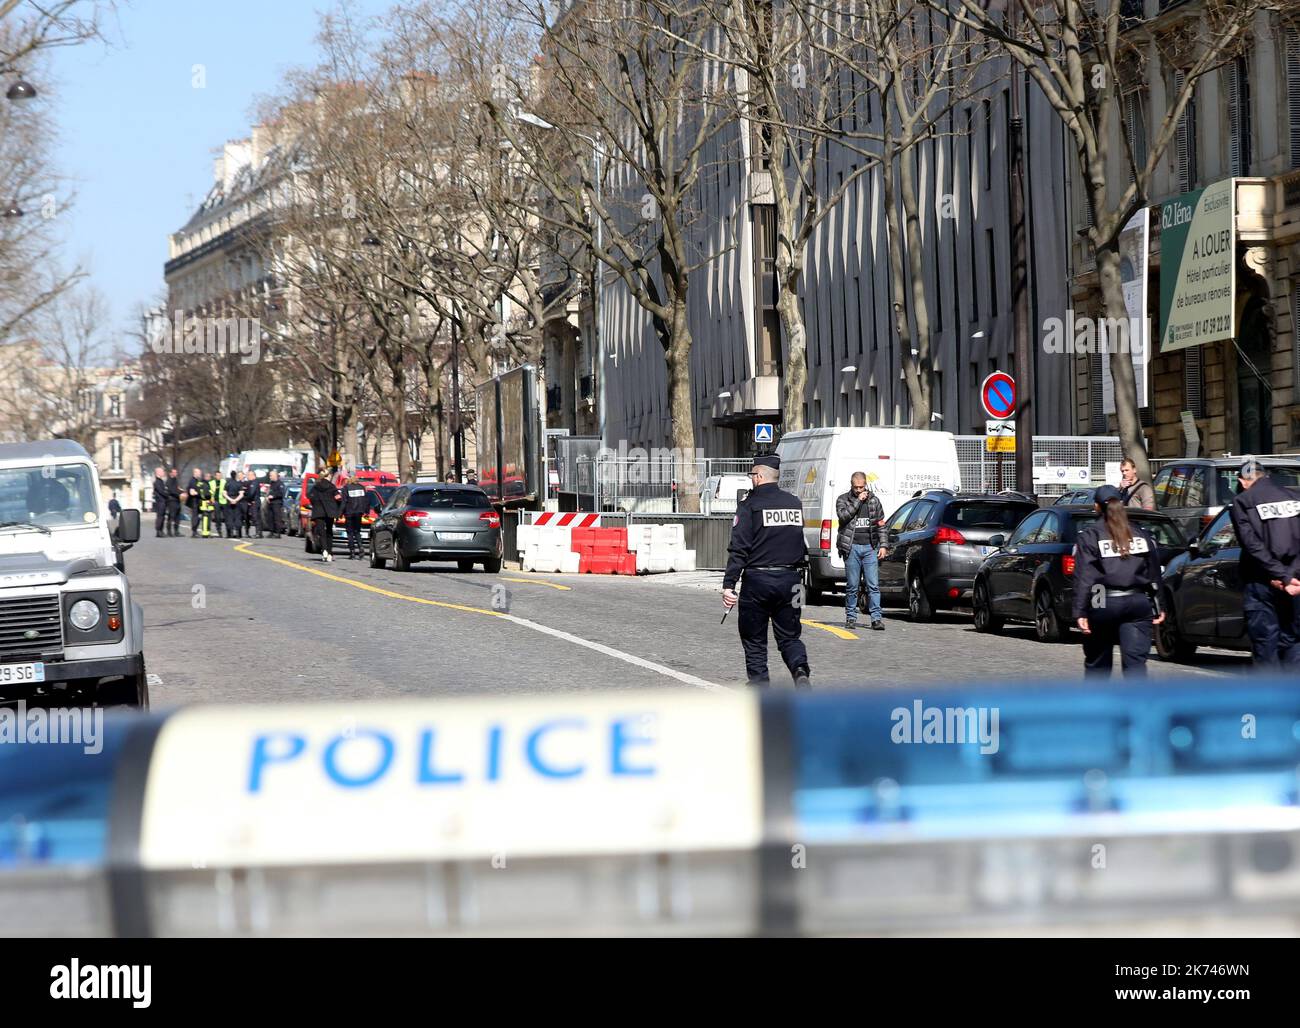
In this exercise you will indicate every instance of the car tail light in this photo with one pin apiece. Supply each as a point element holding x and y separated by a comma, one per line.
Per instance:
<point>1067,564</point>
<point>953,593</point>
<point>414,517</point>
<point>826,535</point>
<point>948,535</point>
<point>491,518</point>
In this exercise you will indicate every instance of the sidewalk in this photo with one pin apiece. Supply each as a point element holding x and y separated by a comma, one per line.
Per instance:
<point>682,579</point>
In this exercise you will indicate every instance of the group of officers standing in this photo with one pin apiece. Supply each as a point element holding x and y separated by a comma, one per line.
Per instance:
<point>1116,592</point>
<point>238,505</point>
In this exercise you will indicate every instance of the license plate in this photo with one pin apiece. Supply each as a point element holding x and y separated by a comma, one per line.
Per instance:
<point>456,537</point>
<point>11,673</point>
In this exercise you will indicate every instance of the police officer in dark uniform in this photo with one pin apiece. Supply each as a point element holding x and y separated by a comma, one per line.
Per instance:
<point>1116,583</point>
<point>1266,517</point>
<point>767,547</point>
<point>275,504</point>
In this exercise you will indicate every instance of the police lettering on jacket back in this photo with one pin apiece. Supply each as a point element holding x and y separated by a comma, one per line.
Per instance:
<point>770,523</point>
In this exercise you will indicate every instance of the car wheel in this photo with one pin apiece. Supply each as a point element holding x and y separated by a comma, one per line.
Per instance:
<point>125,692</point>
<point>376,561</point>
<point>1047,626</point>
<point>918,604</point>
<point>400,563</point>
<point>464,565</point>
<point>492,565</point>
<point>985,619</point>
<point>1169,644</point>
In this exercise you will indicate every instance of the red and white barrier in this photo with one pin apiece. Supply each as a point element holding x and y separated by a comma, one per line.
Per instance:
<point>568,543</point>
<point>569,519</point>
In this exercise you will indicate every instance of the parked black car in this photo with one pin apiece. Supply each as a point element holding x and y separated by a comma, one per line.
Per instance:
<point>935,543</point>
<point>1203,596</point>
<point>1030,578</point>
<point>1195,490</point>
<point>437,521</point>
<point>1076,496</point>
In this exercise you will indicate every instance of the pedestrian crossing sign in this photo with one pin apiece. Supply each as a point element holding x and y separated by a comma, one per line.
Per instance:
<point>762,433</point>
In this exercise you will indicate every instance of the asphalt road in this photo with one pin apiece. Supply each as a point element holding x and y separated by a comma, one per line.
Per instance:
<point>260,620</point>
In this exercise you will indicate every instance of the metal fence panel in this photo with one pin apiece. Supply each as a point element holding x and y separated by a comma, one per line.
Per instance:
<point>979,470</point>
<point>706,534</point>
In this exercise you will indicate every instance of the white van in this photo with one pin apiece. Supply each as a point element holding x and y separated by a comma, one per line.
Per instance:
<point>817,463</point>
<point>290,463</point>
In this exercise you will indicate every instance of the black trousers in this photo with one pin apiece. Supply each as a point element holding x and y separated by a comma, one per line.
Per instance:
<point>1124,621</point>
<point>1273,624</point>
<point>275,516</point>
<point>161,523</point>
<point>354,533</point>
<point>770,596</point>
<point>323,530</point>
<point>174,517</point>
<point>234,519</point>
<point>219,517</point>
<point>194,516</point>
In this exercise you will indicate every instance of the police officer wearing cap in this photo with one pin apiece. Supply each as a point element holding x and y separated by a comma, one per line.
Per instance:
<point>1116,582</point>
<point>767,547</point>
<point>1266,517</point>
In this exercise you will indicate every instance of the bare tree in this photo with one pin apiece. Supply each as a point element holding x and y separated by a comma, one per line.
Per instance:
<point>1088,57</point>
<point>624,86</point>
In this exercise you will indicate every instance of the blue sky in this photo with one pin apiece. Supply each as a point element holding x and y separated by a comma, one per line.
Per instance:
<point>137,139</point>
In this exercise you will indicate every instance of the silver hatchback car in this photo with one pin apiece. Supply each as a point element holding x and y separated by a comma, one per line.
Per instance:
<point>437,521</point>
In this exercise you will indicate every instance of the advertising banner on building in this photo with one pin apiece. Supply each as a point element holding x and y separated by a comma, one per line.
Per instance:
<point>1198,267</point>
<point>1134,247</point>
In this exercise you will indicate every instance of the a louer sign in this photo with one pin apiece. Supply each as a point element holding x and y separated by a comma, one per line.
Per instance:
<point>1198,267</point>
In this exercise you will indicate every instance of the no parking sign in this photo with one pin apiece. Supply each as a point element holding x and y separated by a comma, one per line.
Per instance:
<point>998,395</point>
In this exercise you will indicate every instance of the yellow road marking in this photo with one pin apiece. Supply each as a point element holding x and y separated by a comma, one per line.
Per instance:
<point>843,633</point>
<point>538,581</point>
<point>243,548</point>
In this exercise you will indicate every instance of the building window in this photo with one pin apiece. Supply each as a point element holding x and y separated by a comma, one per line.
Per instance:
<point>1096,413</point>
<point>115,406</point>
<point>1185,138</point>
<point>993,272</point>
<point>1295,337</point>
<point>988,143</point>
<point>1194,381</point>
<point>115,454</point>
<point>1135,125</point>
<point>1293,92</point>
<point>1240,154</point>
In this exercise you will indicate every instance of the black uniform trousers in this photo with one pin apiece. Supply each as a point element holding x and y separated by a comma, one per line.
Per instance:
<point>1273,624</point>
<point>322,530</point>
<point>354,533</point>
<point>770,596</point>
<point>1123,620</point>
<point>275,516</point>
<point>160,508</point>
<point>234,519</point>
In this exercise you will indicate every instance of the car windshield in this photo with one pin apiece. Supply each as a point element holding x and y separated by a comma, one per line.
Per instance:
<point>986,514</point>
<point>1166,533</point>
<point>51,496</point>
<point>262,470</point>
<point>1287,475</point>
<point>449,499</point>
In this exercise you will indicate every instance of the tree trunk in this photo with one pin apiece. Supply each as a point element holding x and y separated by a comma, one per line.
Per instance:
<point>1121,360</point>
<point>923,402</point>
<point>678,355</point>
<point>919,397</point>
<point>397,407</point>
<point>795,383</point>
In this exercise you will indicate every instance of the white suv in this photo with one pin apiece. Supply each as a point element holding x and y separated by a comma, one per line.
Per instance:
<point>69,633</point>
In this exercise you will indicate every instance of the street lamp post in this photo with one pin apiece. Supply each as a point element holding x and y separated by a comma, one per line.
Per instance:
<point>597,160</point>
<point>457,435</point>
<point>1024,363</point>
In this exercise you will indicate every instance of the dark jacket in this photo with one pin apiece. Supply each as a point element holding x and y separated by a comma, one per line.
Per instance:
<point>848,509</point>
<point>1267,519</point>
<point>323,497</point>
<point>193,501</point>
<point>275,492</point>
<point>174,491</point>
<point>1097,562</point>
<point>232,489</point>
<point>355,500</point>
<point>159,495</point>
<point>767,531</point>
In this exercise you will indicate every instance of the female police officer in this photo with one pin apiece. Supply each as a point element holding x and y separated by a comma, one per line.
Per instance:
<point>1116,577</point>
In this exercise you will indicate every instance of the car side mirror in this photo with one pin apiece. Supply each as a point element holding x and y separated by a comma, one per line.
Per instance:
<point>891,535</point>
<point>997,540</point>
<point>1194,548</point>
<point>128,526</point>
